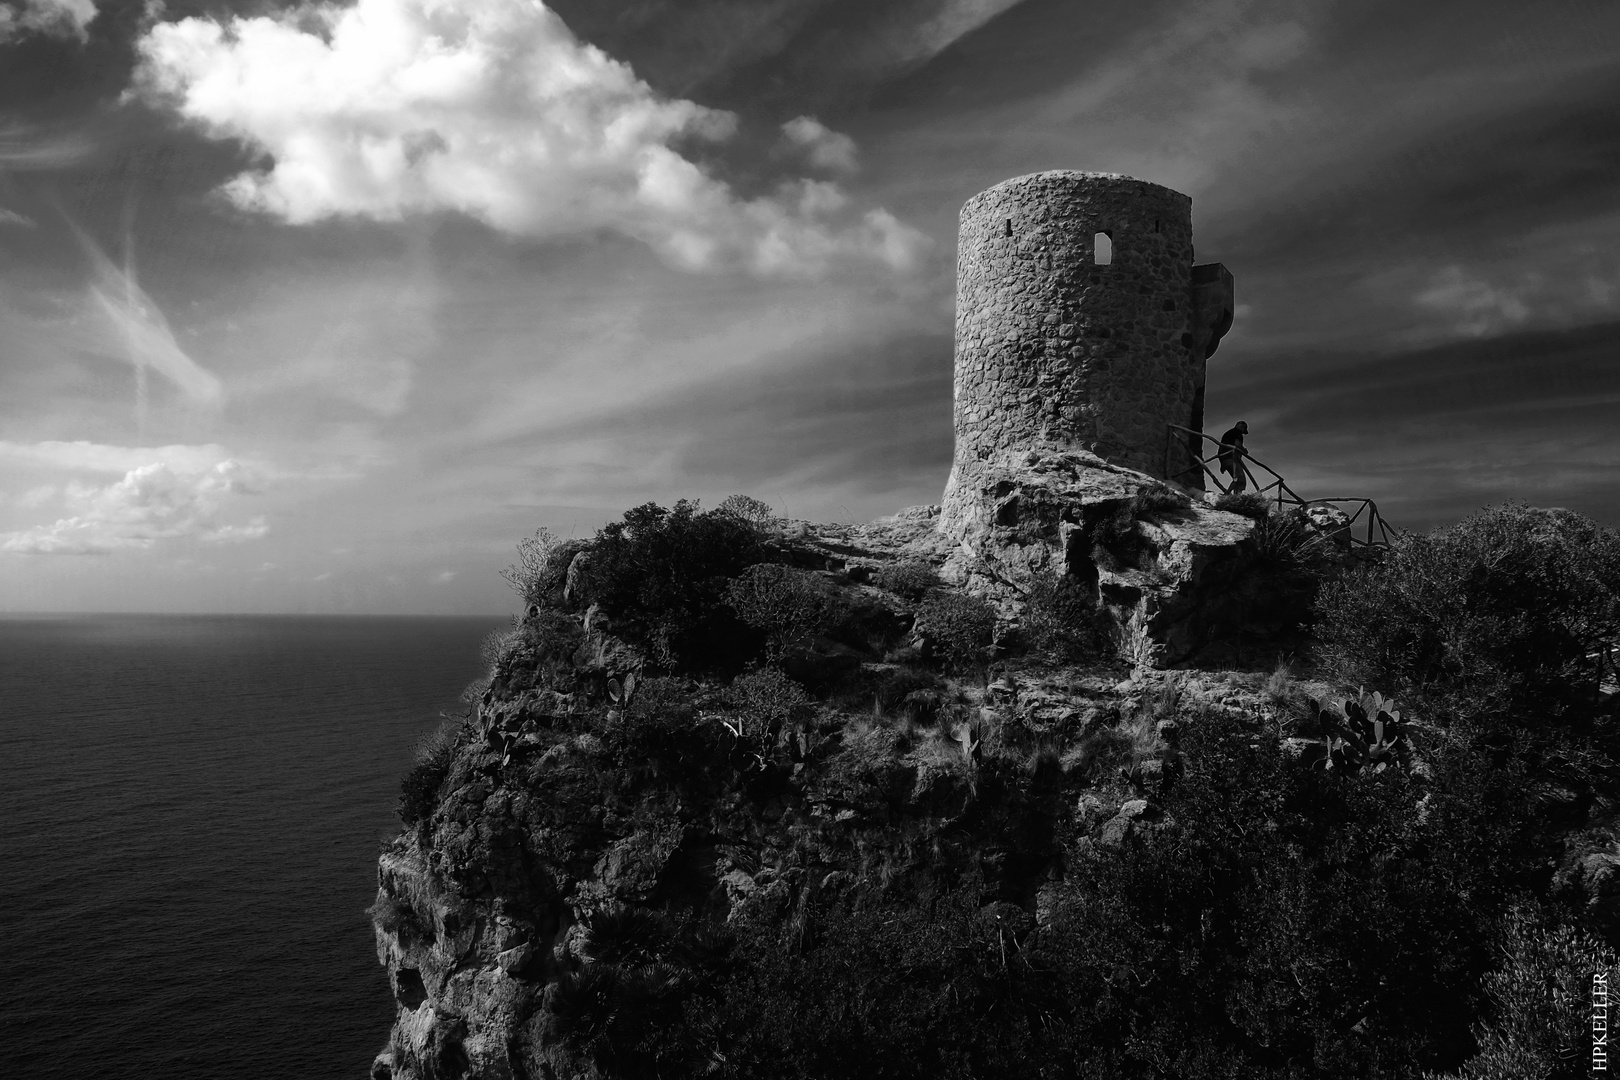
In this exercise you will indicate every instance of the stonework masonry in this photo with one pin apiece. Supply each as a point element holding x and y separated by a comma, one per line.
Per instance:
<point>1055,348</point>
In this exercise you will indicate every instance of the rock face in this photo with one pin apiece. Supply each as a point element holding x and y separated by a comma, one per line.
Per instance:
<point>493,908</point>
<point>1054,347</point>
<point>1040,511</point>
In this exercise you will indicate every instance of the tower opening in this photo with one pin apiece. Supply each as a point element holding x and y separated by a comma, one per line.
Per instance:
<point>1102,249</point>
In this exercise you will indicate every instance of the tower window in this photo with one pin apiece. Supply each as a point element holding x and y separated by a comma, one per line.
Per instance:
<point>1006,227</point>
<point>1155,224</point>
<point>1102,249</point>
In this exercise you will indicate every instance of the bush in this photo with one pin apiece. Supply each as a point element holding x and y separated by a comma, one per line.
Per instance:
<point>1541,1020</point>
<point>907,578</point>
<point>1251,504</point>
<point>663,726</point>
<point>419,790</point>
<point>789,606</point>
<point>769,701</point>
<point>1279,922</point>
<point>752,511</point>
<point>1061,616</point>
<point>542,567</point>
<point>942,993</point>
<point>1498,613</point>
<point>663,574</point>
<point>496,647</point>
<point>1285,544</point>
<point>959,628</point>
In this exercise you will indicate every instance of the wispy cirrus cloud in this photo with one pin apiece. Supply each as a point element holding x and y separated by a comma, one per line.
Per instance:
<point>138,332</point>
<point>493,109</point>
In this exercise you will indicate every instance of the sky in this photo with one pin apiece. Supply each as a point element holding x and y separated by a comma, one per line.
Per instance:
<point>320,308</point>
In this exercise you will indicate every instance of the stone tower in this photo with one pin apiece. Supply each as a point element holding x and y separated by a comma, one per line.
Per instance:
<point>1081,321</point>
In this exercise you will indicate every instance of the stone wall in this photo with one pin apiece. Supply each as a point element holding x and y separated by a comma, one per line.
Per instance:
<point>1052,348</point>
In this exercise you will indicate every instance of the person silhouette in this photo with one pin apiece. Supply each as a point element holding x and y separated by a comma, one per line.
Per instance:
<point>1231,456</point>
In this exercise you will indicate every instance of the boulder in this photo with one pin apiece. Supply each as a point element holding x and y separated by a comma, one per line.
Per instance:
<point>1037,511</point>
<point>1329,522</point>
<point>1135,819</point>
<point>516,960</point>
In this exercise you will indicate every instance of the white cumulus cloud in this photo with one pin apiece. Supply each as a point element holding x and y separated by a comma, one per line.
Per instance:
<point>494,109</point>
<point>57,18</point>
<point>153,502</point>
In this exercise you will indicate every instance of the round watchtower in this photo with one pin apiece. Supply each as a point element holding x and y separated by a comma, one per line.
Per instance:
<point>1077,322</point>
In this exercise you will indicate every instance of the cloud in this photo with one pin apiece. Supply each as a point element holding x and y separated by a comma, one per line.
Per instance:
<point>820,145</point>
<point>53,18</point>
<point>141,332</point>
<point>1479,307</point>
<point>494,109</point>
<point>952,20</point>
<point>25,147</point>
<point>1438,431</point>
<point>11,217</point>
<point>153,502</point>
<point>99,457</point>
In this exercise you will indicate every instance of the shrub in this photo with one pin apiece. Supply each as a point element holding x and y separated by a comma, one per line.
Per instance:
<point>1540,993</point>
<point>663,574</point>
<point>789,606</point>
<point>1279,922</point>
<point>1157,500</point>
<point>1285,543</point>
<point>619,934</point>
<point>959,628</point>
<point>752,511</point>
<point>907,578</point>
<point>394,916</point>
<point>1499,612</point>
<point>419,790</point>
<point>663,725</point>
<point>889,991</point>
<point>1061,616</point>
<point>496,646</point>
<point>769,701</point>
<point>1251,504</point>
<point>538,575</point>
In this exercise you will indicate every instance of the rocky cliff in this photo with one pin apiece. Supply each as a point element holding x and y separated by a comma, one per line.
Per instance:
<point>744,797</point>
<point>591,783</point>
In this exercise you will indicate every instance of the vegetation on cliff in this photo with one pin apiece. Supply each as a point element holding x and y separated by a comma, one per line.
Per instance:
<point>746,800</point>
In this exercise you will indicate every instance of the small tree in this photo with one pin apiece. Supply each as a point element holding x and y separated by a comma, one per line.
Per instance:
<point>790,606</point>
<point>536,569</point>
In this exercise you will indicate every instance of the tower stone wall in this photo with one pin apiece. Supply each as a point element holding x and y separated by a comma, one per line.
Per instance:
<point>1054,348</point>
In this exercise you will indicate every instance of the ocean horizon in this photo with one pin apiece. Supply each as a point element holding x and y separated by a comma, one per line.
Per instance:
<point>193,806</point>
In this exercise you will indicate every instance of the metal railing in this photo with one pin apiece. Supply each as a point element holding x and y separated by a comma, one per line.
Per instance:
<point>1187,446</point>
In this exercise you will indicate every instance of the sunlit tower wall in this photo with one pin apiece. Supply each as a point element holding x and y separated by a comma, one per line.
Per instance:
<point>1080,321</point>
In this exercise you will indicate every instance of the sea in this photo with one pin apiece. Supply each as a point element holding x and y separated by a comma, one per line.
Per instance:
<point>191,809</point>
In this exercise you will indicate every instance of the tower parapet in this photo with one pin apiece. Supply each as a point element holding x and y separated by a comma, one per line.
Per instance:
<point>1080,322</point>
